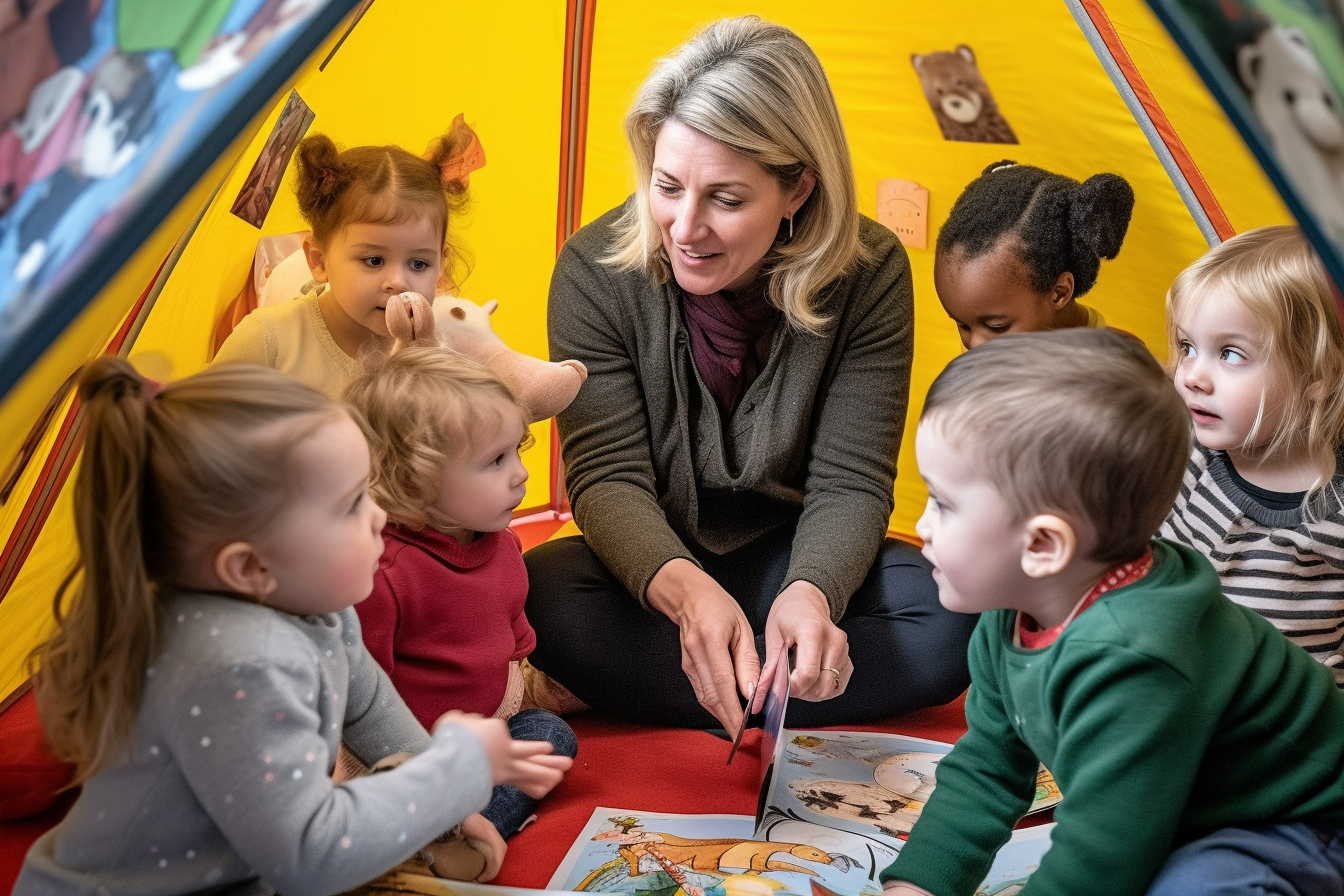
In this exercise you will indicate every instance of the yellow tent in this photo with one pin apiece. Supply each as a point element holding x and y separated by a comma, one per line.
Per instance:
<point>545,84</point>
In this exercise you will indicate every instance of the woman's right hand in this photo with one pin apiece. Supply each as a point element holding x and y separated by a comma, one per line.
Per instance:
<point>718,648</point>
<point>525,764</point>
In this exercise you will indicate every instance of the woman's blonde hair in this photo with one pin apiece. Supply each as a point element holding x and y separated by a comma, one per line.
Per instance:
<point>422,404</point>
<point>758,89</point>
<point>1276,274</point>
<point>166,479</point>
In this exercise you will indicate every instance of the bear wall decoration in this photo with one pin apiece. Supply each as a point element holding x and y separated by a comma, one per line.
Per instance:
<point>960,98</point>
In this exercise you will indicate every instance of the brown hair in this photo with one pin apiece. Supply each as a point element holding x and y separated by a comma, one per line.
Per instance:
<point>1276,274</point>
<point>758,89</point>
<point>383,185</point>
<point>166,479</point>
<point>422,403</point>
<point>1081,422</point>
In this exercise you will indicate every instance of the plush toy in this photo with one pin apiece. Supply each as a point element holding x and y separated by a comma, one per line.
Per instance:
<point>960,98</point>
<point>1301,114</point>
<point>545,387</point>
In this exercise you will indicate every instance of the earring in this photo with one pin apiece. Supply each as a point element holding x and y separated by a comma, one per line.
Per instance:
<point>790,220</point>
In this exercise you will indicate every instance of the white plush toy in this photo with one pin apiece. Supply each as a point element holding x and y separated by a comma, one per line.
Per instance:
<point>1301,113</point>
<point>545,387</point>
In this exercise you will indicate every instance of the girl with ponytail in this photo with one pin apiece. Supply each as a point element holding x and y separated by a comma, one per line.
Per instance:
<point>1022,244</point>
<point>207,661</point>
<point>379,220</point>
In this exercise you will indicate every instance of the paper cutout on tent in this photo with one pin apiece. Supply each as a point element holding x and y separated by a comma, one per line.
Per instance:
<point>547,93</point>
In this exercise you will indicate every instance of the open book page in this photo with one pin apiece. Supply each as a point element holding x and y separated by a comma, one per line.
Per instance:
<point>660,854</point>
<point>866,782</point>
<point>834,810</point>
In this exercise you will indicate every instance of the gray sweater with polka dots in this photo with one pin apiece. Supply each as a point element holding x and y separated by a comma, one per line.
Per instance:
<point>225,785</point>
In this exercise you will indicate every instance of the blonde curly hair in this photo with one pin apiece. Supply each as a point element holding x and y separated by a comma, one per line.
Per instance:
<point>422,404</point>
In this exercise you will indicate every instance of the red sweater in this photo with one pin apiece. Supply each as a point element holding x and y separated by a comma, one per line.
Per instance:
<point>445,619</point>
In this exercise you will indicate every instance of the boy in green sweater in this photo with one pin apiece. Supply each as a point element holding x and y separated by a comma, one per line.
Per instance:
<point>1199,751</point>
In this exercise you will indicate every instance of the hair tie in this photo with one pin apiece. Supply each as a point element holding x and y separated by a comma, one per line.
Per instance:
<point>327,184</point>
<point>1003,166</point>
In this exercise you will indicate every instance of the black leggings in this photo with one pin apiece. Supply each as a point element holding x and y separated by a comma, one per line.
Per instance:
<point>594,638</point>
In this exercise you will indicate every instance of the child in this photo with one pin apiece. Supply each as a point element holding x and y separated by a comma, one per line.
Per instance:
<point>1259,359</point>
<point>379,221</point>
<point>445,618</point>
<point>209,662</point>
<point>1021,245</point>
<point>1171,717</point>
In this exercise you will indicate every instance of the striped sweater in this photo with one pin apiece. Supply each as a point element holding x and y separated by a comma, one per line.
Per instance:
<point>1284,564</point>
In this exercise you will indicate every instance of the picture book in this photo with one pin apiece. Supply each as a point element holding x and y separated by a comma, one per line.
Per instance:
<point>662,854</point>
<point>834,810</point>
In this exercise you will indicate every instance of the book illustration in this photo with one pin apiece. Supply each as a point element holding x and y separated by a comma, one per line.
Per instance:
<point>870,783</point>
<point>662,855</point>
<point>833,811</point>
<point>1015,862</point>
<point>659,854</point>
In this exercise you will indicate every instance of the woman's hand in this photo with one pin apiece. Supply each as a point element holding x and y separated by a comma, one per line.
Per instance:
<point>525,764</point>
<point>718,649</point>
<point>800,618</point>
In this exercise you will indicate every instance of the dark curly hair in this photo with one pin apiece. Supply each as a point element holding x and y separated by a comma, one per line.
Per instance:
<point>1057,223</point>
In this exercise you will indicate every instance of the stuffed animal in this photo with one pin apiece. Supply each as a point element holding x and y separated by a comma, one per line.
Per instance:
<point>960,98</point>
<point>1301,114</point>
<point>545,387</point>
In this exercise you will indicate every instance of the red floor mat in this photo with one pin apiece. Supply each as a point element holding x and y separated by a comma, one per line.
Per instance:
<point>621,765</point>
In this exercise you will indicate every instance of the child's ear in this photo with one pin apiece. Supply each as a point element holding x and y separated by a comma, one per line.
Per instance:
<point>317,261</point>
<point>1051,544</point>
<point>1062,292</point>
<point>243,571</point>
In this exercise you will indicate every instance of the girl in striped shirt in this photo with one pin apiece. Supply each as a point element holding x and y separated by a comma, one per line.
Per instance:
<point>1258,357</point>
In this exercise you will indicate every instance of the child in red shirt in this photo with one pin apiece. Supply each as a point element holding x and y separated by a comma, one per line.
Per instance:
<point>445,618</point>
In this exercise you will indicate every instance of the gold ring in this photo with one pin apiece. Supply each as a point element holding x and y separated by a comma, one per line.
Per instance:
<point>835,672</point>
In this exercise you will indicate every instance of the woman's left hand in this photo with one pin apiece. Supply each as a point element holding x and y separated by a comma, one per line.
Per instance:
<point>801,618</point>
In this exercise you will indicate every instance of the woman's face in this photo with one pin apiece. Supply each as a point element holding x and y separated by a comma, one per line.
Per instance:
<point>718,211</point>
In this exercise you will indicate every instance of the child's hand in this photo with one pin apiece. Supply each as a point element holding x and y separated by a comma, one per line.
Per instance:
<point>525,764</point>
<point>410,318</point>
<point>901,888</point>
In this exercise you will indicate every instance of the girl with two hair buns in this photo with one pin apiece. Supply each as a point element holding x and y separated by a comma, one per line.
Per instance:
<point>379,219</point>
<point>1022,245</point>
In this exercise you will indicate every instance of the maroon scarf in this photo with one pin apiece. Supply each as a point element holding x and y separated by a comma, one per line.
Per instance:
<point>725,328</point>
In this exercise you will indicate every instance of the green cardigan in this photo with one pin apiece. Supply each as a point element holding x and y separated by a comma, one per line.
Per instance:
<point>651,468</point>
<point>1165,712</point>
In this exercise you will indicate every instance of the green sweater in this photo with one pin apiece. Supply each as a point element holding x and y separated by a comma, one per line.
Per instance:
<point>651,468</point>
<point>1165,712</point>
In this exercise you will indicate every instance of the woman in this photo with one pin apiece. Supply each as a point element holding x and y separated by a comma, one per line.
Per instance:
<point>730,460</point>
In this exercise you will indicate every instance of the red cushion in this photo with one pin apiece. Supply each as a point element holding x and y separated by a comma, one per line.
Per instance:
<point>30,776</point>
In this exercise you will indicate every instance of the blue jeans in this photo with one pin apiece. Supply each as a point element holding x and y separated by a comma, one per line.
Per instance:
<point>1275,860</point>
<point>509,807</point>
